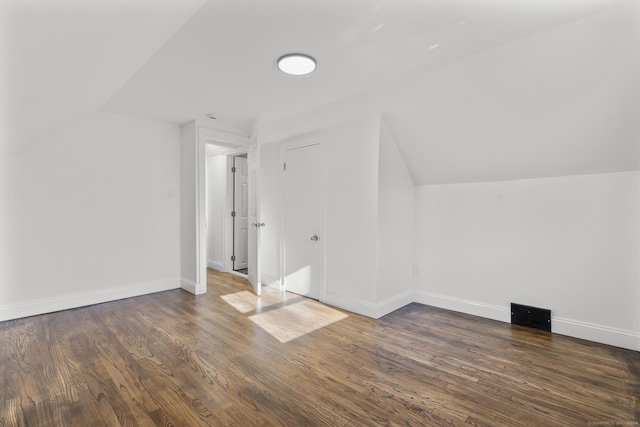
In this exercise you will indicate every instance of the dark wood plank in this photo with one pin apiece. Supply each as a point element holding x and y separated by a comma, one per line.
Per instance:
<point>172,359</point>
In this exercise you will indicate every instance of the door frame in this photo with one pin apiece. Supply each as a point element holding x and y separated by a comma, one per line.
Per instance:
<point>236,143</point>
<point>289,144</point>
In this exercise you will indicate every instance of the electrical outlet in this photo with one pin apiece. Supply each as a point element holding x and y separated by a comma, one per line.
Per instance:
<point>416,269</point>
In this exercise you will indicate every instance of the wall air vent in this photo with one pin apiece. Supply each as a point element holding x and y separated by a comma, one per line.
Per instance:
<point>532,317</point>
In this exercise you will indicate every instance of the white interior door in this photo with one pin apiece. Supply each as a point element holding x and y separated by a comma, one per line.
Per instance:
<point>304,208</point>
<point>253,255</point>
<point>241,210</point>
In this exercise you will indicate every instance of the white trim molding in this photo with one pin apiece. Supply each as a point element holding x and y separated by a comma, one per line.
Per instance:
<point>353,305</point>
<point>216,265</point>
<point>236,144</point>
<point>271,281</point>
<point>598,333</point>
<point>49,305</point>
<point>463,306</point>
<point>394,303</point>
<point>368,308</point>
<point>576,329</point>
<point>189,286</point>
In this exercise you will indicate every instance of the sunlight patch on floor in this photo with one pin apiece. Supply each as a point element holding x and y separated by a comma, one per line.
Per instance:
<point>246,301</point>
<point>295,320</point>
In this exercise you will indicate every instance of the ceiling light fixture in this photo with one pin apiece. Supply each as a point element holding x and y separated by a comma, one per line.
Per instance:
<point>296,64</point>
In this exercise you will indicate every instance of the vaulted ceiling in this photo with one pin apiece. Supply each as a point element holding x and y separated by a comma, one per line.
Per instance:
<point>472,90</point>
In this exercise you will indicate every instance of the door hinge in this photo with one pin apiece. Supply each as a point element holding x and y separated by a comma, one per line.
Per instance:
<point>233,169</point>
<point>233,214</point>
<point>233,257</point>
<point>284,166</point>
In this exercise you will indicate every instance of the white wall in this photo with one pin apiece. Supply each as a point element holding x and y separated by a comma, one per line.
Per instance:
<point>188,242</point>
<point>90,214</point>
<point>570,244</point>
<point>352,208</point>
<point>352,211</point>
<point>216,195</point>
<point>370,214</point>
<point>270,212</point>
<point>396,218</point>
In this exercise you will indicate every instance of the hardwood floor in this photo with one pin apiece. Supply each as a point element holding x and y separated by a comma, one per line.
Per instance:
<point>170,359</point>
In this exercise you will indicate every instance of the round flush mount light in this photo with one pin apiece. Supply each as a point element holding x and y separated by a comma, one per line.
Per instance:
<point>296,64</point>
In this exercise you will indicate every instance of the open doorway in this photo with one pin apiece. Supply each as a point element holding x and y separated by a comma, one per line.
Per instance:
<point>227,213</point>
<point>231,145</point>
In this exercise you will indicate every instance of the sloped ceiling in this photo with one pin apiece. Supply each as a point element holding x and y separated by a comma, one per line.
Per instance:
<point>62,59</point>
<point>564,102</point>
<point>472,90</point>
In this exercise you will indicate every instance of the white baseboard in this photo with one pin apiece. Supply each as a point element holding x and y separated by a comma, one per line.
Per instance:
<point>588,331</point>
<point>216,265</point>
<point>49,305</point>
<point>597,333</point>
<point>188,286</point>
<point>353,305</point>
<point>367,308</point>
<point>270,281</point>
<point>392,304</point>
<point>562,326</point>
<point>463,306</point>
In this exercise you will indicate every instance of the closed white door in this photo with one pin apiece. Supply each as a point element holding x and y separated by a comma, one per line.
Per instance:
<point>241,209</point>
<point>304,216</point>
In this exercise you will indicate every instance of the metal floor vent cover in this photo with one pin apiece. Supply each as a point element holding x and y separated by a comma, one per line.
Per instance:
<point>532,317</point>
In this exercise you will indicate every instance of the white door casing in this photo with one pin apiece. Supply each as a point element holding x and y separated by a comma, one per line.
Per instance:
<point>304,207</point>
<point>241,210</point>
<point>205,136</point>
<point>253,259</point>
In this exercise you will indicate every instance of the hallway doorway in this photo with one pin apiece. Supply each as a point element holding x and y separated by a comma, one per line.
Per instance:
<point>227,210</point>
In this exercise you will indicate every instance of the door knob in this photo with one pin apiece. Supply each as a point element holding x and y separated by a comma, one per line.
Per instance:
<point>314,238</point>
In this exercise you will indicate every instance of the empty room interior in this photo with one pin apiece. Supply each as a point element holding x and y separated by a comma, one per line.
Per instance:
<point>332,213</point>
